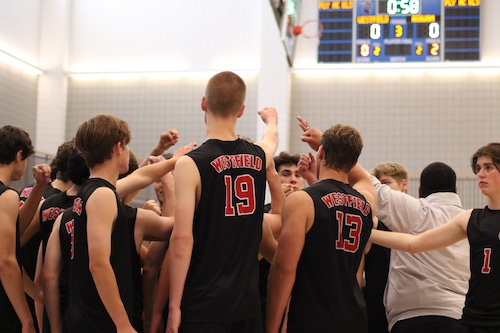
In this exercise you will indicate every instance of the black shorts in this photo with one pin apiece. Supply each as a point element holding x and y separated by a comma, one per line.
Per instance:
<point>427,324</point>
<point>252,325</point>
<point>462,328</point>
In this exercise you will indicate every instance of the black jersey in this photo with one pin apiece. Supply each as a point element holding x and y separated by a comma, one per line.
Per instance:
<point>86,312</point>
<point>47,192</point>
<point>137,322</point>
<point>482,302</point>
<point>326,296</point>
<point>223,278</point>
<point>30,250</point>
<point>66,240</point>
<point>376,271</point>
<point>9,321</point>
<point>50,209</point>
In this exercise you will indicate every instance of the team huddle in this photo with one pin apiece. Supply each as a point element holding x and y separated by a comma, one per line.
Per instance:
<point>89,262</point>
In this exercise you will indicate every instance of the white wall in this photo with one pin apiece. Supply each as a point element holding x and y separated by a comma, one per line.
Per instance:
<point>130,35</point>
<point>19,28</point>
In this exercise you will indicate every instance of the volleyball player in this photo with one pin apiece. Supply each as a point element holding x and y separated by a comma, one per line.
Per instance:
<point>219,191</point>
<point>15,148</point>
<point>325,230</point>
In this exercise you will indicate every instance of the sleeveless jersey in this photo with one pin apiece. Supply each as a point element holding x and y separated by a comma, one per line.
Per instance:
<point>137,322</point>
<point>66,232</point>
<point>222,283</point>
<point>50,209</point>
<point>376,271</point>
<point>9,322</point>
<point>30,250</point>
<point>86,312</point>
<point>482,302</point>
<point>326,296</point>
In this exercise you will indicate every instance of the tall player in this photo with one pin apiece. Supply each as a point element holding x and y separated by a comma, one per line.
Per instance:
<point>219,193</point>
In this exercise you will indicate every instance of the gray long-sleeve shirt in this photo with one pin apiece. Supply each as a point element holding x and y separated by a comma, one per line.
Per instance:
<point>427,283</point>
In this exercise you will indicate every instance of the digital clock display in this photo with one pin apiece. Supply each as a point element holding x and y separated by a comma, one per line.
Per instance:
<point>399,31</point>
<point>401,7</point>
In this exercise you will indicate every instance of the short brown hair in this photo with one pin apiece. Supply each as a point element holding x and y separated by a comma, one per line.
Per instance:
<point>285,158</point>
<point>12,140</point>
<point>491,150</point>
<point>225,94</point>
<point>59,164</point>
<point>391,169</point>
<point>133,164</point>
<point>342,145</point>
<point>96,137</point>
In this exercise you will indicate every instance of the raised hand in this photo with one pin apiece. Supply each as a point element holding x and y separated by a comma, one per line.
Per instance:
<point>168,139</point>
<point>41,173</point>
<point>268,114</point>
<point>306,167</point>
<point>311,136</point>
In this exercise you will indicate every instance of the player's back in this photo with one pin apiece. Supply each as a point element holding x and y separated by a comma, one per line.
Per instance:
<point>326,296</point>
<point>222,281</point>
<point>86,312</point>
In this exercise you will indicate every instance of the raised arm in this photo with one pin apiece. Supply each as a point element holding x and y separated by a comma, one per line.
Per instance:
<point>273,219</point>
<point>33,227</point>
<point>145,176</point>
<point>307,168</point>
<point>167,140</point>
<point>311,136</point>
<point>268,243</point>
<point>41,173</point>
<point>360,180</point>
<point>269,141</point>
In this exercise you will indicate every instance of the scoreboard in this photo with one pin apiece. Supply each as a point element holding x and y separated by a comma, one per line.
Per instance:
<point>398,31</point>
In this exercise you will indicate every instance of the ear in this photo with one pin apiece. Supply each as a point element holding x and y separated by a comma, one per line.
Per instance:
<point>404,185</point>
<point>19,155</point>
<point>117,148</point>
<point>242,110</point>
<point>204,103</point>
<point>321,153</point>
<point>419,192</point>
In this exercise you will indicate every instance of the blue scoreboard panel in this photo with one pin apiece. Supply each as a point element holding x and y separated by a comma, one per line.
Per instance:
<point>399,31</point>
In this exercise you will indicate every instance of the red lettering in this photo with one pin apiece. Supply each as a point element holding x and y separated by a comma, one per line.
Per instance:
<point>78,206</point>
